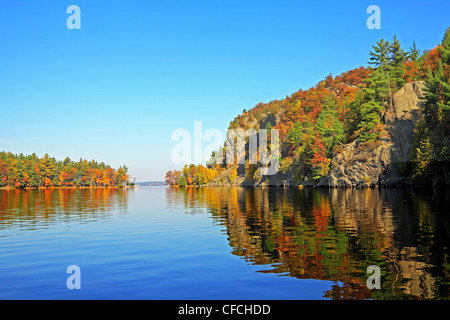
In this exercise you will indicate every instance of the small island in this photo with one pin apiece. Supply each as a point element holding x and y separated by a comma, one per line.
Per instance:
<point>32,172</point>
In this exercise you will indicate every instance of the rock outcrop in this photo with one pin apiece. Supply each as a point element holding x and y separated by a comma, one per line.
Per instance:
<point>359,165</point>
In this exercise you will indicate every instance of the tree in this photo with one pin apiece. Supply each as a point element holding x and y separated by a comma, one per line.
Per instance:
<point>414,53</point>
<point>437,112</point>
<point>122,176</point>
<point>109,177</point>
<point>378,85</point>
<point>300,136</point>
<point>3,173</point>
<point>396,70</point>
<point>445,48</point>
<point>380,56</point>
<point>398,55</point>
<point>330,128</point>
<point>437,98</point>
<point>47,171</point>
<point>22,171</point>
<point>370,121</point>
<point>320,163</point>
<point>411,71</point>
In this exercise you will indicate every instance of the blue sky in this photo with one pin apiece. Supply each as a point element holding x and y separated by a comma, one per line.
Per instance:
<point>115,90</point>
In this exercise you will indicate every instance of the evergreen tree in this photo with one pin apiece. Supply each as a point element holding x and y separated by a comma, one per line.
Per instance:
<point>370,121</point>
<point>437,98</point>
<point>47,169</point>
<point>414,53</point>
<point>380,56</point>
<point>20,175</point>
<point>301,136</point>
<point>329,126</point>
<point>377,85</point>
<point>437,112</point>
<point>445,48</point>
<point>396,72</point>
<point>398,55</point>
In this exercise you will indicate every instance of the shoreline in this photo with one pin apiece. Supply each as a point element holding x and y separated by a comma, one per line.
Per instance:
<point>62,188</point>
<point>301,187</point>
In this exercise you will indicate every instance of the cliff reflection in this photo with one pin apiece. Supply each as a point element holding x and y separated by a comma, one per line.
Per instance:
<point>336,234</point>
<point>28,208</point>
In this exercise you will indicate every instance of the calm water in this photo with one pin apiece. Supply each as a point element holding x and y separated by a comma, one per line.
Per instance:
<point>224,243</point>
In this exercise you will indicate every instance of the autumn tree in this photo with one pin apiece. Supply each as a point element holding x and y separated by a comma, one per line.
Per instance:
<point>20,171</point>
<point>47,171</point>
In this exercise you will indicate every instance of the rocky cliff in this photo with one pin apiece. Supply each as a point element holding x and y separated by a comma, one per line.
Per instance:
<point>357,164</point>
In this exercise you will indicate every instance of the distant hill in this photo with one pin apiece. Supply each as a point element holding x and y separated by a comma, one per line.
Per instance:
<point>150,183</point>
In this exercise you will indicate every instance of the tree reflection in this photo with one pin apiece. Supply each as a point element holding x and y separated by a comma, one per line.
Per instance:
<point>26,207</point>
<point>336,234</point>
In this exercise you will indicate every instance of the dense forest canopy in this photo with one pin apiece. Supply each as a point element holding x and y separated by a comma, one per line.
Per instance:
<point>314,124</point>
<point>20,171</point>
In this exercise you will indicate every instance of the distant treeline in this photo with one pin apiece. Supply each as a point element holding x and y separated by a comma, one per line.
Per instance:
<point>20,171</point>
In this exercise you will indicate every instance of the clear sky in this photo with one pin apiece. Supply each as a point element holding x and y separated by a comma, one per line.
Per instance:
<point>116,89</point>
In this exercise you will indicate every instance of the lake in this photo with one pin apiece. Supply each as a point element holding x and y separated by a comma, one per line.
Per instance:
<point>225,243</point>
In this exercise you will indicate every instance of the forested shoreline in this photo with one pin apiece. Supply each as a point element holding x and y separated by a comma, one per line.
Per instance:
<point>317,125</point>
<point>32,172</point>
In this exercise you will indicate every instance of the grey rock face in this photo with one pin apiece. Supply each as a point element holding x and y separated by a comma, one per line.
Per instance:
<point>360,166</point>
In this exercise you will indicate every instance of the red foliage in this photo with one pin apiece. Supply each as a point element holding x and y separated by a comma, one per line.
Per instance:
<point>356,76</point>
<point>431,60</point>
<point>412,72</point>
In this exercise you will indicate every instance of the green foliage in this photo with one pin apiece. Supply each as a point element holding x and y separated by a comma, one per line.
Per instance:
<point>398,55</point>
<point>370,121</point>
<point>377,85</point>
<point>431,144</point>
<point>329,126</point>
<point>301,136</point>
<point>437,112</point>
<point>414,53</point>
<point>445,48</point>
<point>285,165</point>
<point>380,56</point>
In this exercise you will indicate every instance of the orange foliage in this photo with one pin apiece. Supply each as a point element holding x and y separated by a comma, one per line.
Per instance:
<point>356,76</point>
<point>412,72</point>
<point>431,60</point>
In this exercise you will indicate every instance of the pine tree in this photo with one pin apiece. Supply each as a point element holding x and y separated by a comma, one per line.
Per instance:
<point>445,48</point>
<point>370,121</point>
<point>437,99</point>
<point>377,86</point>
<point>20,175</point>
<point>387,78</point>
<point>437,112</point>
<point>380,57</point>
<point>330,128</point>
<point>414,53</point>
<point>398,55</point>
<point>397,70</point>
<point>47,169</point>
